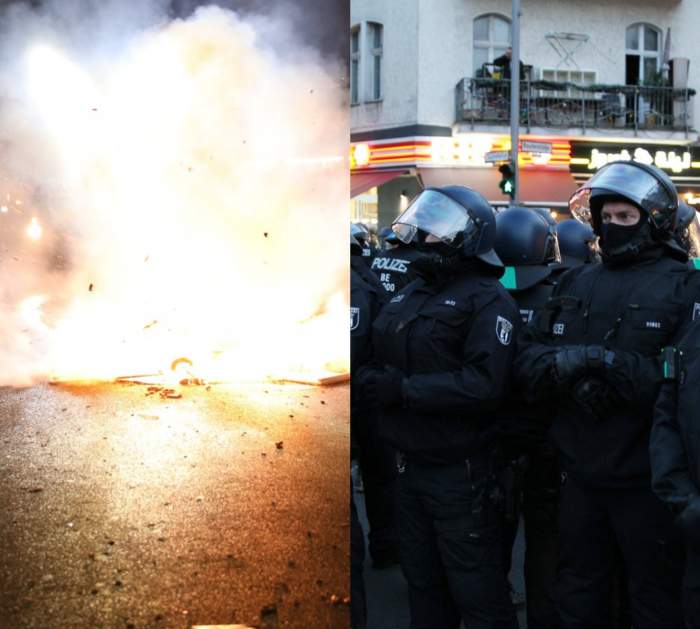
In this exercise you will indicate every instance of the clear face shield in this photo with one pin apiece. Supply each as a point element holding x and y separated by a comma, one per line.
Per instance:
<point>625,179</point>
<point>435,214</point>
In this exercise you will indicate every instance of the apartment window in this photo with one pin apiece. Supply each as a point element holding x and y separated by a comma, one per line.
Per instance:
<point>642,54</point>
<point>375,37</point>
<point>491,39</point>
<point>355,65</point>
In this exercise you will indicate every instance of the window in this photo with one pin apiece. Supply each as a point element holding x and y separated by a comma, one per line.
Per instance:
<point>491,39</point>
<point>355,65</point>
<point>642,54</point>
<point>375,36</point>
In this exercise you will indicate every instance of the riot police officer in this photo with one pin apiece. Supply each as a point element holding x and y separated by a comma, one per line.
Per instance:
<point>393,266</point>
<point>526,242</point>
<point>364,306</point>
<point>596,349</point>
<point>443,352</point>
<point>376,458</point>
<point>675,458</point>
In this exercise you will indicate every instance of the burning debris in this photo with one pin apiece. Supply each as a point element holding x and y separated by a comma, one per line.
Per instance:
<point>164,392</point>
<point>97,133</point>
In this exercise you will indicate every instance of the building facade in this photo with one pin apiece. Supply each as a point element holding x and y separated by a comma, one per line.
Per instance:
<point>602,80</point>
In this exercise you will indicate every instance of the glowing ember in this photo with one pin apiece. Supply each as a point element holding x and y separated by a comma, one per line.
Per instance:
<point>34,230</point>
<point>191,174</point>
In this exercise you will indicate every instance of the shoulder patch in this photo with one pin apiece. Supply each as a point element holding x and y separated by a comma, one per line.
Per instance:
<point>504,330</point>
<point>696,310</point>
<point>354,318</point>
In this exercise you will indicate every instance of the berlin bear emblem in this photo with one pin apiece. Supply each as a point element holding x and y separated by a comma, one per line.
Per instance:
<point>504,330</point>
<point>354,318</point>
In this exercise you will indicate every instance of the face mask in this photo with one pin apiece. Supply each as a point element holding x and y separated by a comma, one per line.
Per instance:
<point>437,248</point>
<point>616,239</point>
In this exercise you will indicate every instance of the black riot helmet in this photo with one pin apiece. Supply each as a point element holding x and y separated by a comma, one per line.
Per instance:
<point>687,232</point>
<point>546,215</point>
<point>457,219</point>
<point>526,241</point>
<point>645,186</point>
<point>359,236</point>
<point>389,238</point>
<point>576,243</point>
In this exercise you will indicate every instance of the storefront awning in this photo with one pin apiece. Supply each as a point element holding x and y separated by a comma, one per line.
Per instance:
<point>361,182</point>
<point>536,186</point>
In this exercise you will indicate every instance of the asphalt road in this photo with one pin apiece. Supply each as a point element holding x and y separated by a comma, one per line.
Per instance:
<point>121,508</point>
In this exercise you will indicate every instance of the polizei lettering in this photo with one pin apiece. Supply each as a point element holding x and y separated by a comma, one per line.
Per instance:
<point>390,264</point>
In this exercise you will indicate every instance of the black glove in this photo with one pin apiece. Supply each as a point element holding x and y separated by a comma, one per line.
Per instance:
<point>575,361</point>
<point>385,389</point>
<point>689,522</point>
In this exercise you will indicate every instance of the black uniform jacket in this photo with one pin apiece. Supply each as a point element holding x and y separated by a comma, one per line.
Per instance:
<point>365,301</point>
<point>524,426</point>
<point>675,436</point>
<point>635,311</point>
<point>455,342</point>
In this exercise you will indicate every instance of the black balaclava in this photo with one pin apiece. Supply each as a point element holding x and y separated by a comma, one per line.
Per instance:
<point>621,244</point>
<point>438,260</point>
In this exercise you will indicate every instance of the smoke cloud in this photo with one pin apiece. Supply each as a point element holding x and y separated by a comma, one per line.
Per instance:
<point>168,187</point>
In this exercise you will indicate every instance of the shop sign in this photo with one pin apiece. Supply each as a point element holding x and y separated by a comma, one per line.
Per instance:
<point>588,156</point>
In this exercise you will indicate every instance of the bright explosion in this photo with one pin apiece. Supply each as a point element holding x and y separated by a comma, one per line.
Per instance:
<point>182,196</point>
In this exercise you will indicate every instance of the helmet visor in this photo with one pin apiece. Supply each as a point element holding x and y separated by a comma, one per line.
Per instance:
<point>434,213</point>
<point>625,179</point>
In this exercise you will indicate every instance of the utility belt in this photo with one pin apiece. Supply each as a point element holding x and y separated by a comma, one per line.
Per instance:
<point>482,473</point>
<point>477,466</point>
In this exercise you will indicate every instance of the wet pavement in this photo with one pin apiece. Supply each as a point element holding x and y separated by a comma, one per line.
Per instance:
<point>122,508</point>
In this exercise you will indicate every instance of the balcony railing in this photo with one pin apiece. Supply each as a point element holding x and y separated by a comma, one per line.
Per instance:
<point>567,105</point>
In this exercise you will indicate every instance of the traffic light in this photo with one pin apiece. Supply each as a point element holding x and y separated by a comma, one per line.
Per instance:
<point>507,183</point>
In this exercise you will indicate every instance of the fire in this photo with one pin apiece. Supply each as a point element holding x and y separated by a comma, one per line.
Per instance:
<point>34,230</point>
<point>187,195</point>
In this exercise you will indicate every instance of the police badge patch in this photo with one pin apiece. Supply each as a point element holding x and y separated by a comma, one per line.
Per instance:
<point>504,330</point>
<point>354,318</point>
<point>696,310</point>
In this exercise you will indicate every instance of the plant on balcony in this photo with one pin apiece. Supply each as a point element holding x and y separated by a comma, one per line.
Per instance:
<point>659,98</point>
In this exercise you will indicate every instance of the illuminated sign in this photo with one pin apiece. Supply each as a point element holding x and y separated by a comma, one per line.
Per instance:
<point>469,150</point>
<point>359,155</point>
<point>587,157</point>
<point>554,154</point>
<point>462,150</point>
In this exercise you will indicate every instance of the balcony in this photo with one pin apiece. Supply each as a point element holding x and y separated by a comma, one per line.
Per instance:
<point>566,105</point>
